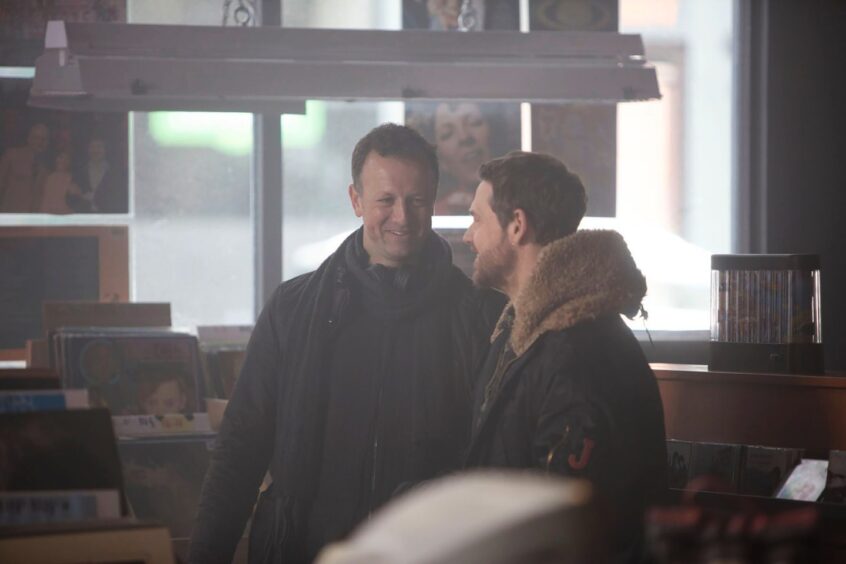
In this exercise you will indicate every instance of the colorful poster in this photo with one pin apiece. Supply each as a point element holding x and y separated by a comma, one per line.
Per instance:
<point>59,162</point>
<point>465,134</point>
<point>27,19</point>
<point>583,136</point>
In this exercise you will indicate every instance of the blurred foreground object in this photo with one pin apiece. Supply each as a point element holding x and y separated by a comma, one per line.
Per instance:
<point>480,518</point>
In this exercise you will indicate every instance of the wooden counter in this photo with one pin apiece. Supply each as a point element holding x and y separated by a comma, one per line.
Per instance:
<point>783,410</point>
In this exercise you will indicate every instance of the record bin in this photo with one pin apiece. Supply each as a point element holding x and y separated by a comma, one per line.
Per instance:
<point>765,314</point>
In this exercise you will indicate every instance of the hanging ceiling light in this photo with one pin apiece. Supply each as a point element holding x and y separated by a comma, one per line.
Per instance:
<point>96,67</point>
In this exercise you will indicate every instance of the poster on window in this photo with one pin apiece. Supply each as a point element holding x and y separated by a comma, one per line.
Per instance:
<point>583,136</point>
<point>27,19</point>
<point>57,162</point>
<point>465,134</point>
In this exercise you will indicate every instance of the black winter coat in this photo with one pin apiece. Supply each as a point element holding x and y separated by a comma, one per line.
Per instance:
<point>277,416</point>
<point>575,395</point>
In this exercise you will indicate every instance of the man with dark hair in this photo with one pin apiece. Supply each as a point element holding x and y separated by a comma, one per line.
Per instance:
<point>358,377</point>
<point>565,387</point>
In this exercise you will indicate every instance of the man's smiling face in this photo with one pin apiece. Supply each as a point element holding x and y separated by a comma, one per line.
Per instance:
<point>394,201</point>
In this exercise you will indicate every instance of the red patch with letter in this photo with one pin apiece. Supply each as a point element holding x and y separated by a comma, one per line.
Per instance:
<point>584,456</point>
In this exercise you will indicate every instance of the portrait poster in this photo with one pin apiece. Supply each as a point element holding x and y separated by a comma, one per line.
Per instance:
<point>464,133</point>
<point>27,19</point>
<point>132,372</point>
<point>583,136</point>
<point>58,162</point>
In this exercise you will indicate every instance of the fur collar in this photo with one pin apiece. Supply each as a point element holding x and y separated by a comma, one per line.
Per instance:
<point>583,276</point>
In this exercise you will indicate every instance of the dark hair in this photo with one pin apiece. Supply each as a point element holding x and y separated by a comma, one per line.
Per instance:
<point>552,197</point>
<point>392,140</point>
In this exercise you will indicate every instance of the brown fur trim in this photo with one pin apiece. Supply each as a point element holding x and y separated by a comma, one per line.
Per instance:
<point>579,277</point>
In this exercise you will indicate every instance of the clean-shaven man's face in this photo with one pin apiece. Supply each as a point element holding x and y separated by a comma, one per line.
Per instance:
<point>495,257</point>
<point>395,206</point>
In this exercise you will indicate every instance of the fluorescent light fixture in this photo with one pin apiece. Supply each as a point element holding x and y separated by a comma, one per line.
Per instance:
<point>144,67</point>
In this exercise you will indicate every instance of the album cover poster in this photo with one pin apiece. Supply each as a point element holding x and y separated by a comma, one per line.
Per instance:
<point>164,476</point>
<point>465,133</point>
<point>58,162</point>
<point>27,19</point>
<point>582,135</point>
<point>133,372</point>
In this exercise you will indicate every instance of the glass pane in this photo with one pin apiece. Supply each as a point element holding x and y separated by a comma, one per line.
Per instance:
<point>192,231</point>
<point>185,12</point>
<point>342,14</point>
<point>191,234</point>
<point>674,156</point>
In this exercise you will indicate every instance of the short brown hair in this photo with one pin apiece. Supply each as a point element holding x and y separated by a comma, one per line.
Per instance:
<point>552,197</point>
<point>393,140</point>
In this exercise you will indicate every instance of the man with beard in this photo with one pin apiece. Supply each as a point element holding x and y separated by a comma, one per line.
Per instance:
<point>565,387</point>
<point>357,380</point>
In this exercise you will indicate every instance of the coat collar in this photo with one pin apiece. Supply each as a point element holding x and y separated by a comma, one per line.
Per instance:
<point>579,277</point>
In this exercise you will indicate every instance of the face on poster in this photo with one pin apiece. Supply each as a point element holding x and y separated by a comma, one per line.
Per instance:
<point>465,133</point>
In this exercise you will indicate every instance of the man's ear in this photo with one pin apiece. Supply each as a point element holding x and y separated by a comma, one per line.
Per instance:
<point>355,200</point>
<point>519,231</point>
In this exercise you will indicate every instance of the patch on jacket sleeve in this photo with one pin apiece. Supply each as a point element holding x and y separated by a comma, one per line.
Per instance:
<point>572,441</point>
<point>581,462</point>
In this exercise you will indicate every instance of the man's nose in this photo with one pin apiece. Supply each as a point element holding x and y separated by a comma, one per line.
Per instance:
<point>400,212</point>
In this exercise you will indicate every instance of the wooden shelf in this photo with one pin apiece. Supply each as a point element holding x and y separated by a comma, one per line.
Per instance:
<point>784,410</point>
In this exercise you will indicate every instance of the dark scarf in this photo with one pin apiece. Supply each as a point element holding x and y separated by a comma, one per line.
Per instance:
<point>404,291</point>
<point>316,320</point>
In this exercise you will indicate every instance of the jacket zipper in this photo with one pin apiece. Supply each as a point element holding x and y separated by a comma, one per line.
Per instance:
<point>501,371</point>
<point>380,385</point>
<point>375,452</point>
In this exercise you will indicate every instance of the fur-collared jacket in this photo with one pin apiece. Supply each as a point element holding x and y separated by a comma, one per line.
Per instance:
<point>566,387</point>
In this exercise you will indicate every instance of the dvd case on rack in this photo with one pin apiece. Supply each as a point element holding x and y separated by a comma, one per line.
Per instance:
<point>718,463</point>
<point>679,456</point>
<point>765,468</point>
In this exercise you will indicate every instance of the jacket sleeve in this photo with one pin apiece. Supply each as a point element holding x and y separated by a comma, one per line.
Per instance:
<point>578,435</point>
<point>243,448</point>
<point>575,430</point>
